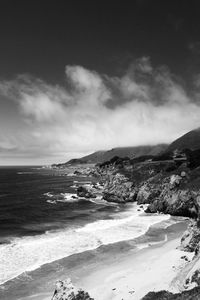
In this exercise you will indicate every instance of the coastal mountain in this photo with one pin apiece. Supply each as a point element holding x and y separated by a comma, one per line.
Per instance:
<point>131,152</point>
<point>190,140</point>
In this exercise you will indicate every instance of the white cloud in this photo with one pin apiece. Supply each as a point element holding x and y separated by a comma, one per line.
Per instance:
<point>145,106</point>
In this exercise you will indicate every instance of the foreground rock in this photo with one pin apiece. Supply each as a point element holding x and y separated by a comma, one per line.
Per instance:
<point>66,291</point>
<point>193,294</point>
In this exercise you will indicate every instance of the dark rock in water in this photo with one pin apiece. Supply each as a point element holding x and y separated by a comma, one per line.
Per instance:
<point>193,294</point>
<point>66,291</point>
<point>83,192</point>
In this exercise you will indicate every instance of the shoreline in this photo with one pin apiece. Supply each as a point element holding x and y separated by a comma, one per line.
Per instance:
<point>39,284</point>
<point>124,224</point>
<point>132,277</point>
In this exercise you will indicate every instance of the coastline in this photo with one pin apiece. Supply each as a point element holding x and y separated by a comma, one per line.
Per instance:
<point>89,268</point>
<point>132,277</point>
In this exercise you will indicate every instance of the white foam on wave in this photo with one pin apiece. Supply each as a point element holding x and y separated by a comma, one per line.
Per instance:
<point>62,197</point>
<point>127,227</point>
<point>29,253</point>
<point>72,197</point>
<point>48,194</point>
<point>99,201</point>
<point>68,197</point>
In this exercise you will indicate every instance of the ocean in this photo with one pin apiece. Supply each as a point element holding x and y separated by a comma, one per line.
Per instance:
<point>41,220</point>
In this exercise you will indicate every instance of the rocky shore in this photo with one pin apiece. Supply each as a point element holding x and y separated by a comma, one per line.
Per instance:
<point>167,188</point>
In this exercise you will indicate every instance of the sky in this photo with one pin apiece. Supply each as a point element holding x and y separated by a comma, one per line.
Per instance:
<point>80,76</point>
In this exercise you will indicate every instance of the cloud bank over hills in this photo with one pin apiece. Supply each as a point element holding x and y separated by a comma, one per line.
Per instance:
<point>146,105</point>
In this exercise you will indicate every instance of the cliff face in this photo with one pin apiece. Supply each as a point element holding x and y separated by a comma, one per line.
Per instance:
<point>174,201</point>
<point>119,189</point>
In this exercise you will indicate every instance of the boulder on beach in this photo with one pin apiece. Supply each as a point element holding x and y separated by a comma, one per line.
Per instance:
<point>66,291</point>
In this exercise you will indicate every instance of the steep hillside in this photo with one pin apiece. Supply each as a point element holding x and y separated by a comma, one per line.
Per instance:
<point>190,140</point>
<point>101,156</point>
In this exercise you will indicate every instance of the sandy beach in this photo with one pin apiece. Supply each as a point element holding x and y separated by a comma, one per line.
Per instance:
<point>124,270</point>
<point>151,269</point>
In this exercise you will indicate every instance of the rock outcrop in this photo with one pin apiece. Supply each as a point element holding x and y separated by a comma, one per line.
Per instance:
<point>119,189</point>
<point>66,291</point>
<point>168,197</point>
<point>175,202</point>
<point>191,239</point>
<point>84,192</point>
<point>193,294</point>
<point>147,193</point>
<point>149,183</point>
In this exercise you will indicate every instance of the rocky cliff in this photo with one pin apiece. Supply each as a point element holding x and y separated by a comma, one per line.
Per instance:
<point>119,189</point>
<point>166,187</point>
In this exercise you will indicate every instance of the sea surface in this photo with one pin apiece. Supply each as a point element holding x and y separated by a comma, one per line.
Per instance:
<point>42,221</point>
